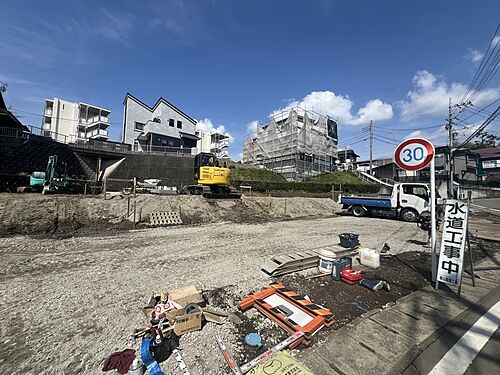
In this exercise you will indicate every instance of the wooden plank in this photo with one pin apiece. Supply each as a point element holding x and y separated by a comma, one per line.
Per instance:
<point>269,267</point>
<point>294,269</point>
<point>291,262</point>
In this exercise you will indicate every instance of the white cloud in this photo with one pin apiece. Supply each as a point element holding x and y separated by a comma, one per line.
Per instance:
<point>431,95</point>
<point>340,107</point>
<point>206,125</point>
<point>109,25</point>
<point>440,134</point>
<point>375,110</point>
<point>473,55</point>
<point>252,127</point>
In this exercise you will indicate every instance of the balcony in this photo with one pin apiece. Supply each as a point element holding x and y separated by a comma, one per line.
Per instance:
<point>48,112</point>
<point>223,143</point>
<point>97,133</point>
<point>93,120</point>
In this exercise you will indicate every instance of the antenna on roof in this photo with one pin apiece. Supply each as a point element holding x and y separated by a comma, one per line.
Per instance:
<point>3,86</point>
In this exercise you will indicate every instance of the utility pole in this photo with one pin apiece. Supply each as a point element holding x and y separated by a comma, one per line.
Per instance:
<point>371,147</point>
<point>451,143</point>
<point>449,127</point>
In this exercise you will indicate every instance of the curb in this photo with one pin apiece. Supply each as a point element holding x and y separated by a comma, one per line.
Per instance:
<point>407,359</point>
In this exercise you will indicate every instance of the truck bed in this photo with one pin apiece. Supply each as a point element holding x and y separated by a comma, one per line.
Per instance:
<point>367,201</point>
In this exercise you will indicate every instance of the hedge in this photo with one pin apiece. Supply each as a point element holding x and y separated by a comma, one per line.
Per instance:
<point>337,178</point>
<point>255,174</point>
<point>311,187</point>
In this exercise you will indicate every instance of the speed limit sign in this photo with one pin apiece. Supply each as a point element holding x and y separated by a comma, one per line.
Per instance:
<point>414,154</point>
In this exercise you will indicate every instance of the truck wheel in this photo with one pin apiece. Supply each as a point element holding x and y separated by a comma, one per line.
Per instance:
<point>409,215</point>
<point>358,211</point>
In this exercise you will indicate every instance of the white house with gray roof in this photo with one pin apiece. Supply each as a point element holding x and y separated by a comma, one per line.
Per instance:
<point>161,128</point>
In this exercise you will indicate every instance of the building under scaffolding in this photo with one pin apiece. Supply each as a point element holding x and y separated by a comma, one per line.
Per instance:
<point>296,143</point>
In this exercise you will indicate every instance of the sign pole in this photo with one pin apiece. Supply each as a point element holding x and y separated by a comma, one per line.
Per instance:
<point>433,220</point>
<point>412,155</point>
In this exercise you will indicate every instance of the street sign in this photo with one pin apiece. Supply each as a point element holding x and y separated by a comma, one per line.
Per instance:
<point>414,154</point>
<point>453,243</point>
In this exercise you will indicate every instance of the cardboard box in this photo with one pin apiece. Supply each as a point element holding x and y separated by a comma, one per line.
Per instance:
<point>184,323</point>
<point>186,295</point>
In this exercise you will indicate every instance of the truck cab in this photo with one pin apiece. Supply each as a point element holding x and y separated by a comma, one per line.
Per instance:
<point>413,200</point>
<point>407,202</point>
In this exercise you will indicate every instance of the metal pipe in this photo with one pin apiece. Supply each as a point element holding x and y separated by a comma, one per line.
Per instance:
<point>433,220</point>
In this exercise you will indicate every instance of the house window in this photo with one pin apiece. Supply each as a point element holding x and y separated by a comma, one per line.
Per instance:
<point>139,126</point>
<point>171,122</point>
<point>491,164</point>
<point>179,124</point>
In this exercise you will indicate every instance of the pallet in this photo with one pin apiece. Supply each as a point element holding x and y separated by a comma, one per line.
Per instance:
<point>165,218</point>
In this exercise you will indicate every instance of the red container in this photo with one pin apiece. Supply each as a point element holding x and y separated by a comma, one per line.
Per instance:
<point>350,276</point>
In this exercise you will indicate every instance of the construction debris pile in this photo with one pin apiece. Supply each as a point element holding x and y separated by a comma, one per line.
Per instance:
<point>170,315</point>
<point>182,311</point>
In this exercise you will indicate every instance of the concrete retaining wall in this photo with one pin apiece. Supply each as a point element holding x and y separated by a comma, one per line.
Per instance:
<point>172,170</point>
<point>25,156</point>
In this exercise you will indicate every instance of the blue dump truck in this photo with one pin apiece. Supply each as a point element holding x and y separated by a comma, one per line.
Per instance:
<point>406,202</point>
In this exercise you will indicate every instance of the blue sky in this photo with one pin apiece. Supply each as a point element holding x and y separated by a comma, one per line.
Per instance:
<point>233,62</point>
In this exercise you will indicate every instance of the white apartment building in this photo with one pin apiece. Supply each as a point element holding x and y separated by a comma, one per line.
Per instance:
<point>70,122</point>
<point>216,143</point>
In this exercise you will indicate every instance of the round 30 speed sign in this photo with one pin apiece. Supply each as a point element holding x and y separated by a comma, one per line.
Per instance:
<point>414,154</point>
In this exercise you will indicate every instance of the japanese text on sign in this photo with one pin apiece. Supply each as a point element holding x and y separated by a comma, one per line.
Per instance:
<point>453,242</point>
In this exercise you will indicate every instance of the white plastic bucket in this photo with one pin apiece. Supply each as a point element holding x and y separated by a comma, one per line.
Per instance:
<point>369,257</point>
<point>326,258</point>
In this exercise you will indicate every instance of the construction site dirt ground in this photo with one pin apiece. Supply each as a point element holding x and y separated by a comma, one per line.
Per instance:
<point>67,303</point>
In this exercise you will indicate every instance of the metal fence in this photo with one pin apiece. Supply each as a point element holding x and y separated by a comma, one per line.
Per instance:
<point>91,144</point>
<point>163,150</point>
<point>11,132</point>
<point>103,146</point>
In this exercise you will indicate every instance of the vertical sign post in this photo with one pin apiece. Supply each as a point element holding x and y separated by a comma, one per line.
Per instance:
<point>451,256</point>
<point>433,220</point>
<point>413,155</point>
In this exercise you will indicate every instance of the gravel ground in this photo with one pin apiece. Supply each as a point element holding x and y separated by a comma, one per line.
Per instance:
<point>67,304</point>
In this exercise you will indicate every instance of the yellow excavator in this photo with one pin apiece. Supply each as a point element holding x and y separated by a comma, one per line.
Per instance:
<point>214,181</point>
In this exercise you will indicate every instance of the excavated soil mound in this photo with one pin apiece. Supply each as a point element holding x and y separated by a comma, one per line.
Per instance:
<point>69,215</point>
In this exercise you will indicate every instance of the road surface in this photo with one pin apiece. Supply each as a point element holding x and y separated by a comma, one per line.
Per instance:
<point>491,203</point>
<point>469,345</point>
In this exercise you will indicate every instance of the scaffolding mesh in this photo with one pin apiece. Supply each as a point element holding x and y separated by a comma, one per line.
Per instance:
<point>296,143</point>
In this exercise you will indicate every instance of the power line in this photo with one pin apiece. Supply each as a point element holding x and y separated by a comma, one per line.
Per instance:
<point>480,110</point>
<point>355,137</point>
<point>481,128</point>
<point>482,65</point>
<point>359,141</point>
<point>389,139</point>
<point>381,140</point>
<point>410,129</point>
